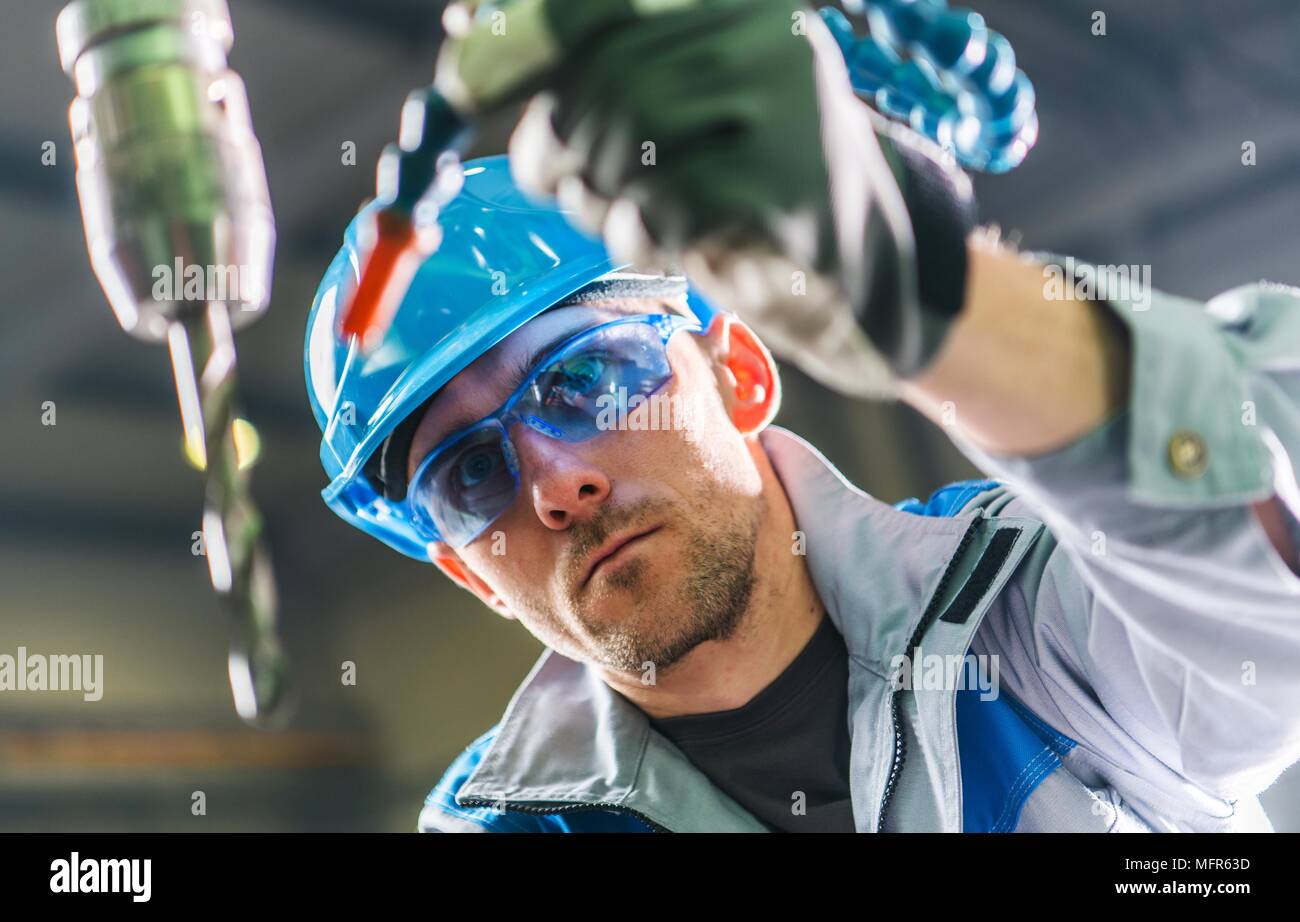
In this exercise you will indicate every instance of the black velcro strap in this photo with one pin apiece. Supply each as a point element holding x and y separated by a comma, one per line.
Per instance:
<point>990,562</point>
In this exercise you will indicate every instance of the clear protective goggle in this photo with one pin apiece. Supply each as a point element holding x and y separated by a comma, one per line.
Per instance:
<point>472,476</point>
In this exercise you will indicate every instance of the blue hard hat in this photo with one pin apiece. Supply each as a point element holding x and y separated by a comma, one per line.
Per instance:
<point>504,258</point>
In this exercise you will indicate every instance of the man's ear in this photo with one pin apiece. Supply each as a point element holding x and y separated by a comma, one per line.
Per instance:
<point>450,563</point>
<point>747,374</point>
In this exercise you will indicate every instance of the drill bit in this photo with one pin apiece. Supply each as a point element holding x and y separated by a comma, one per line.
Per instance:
<point>239,564</point>
<point>170,179</point>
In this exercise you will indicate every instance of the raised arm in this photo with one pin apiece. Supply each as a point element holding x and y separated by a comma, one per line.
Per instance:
<point>1157,438</point>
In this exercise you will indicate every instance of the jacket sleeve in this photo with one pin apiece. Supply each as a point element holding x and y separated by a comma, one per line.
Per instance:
<point>1162,622</point>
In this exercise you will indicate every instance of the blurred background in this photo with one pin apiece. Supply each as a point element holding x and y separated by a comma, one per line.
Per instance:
<point>1140,161</point>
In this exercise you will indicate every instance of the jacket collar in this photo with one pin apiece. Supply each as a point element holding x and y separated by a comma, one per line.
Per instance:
<point>870,562</point>
<point>567,737</point>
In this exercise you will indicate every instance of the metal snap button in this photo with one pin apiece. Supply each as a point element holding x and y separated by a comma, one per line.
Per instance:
<point>1188,455</point>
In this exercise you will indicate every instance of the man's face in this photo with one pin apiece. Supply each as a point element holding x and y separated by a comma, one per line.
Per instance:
<point>634,546</point>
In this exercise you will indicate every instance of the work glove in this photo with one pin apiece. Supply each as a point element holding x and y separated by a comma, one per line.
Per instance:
<point>724,136</point>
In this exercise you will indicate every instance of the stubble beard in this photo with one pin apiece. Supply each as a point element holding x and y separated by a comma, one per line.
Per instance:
<point>711,601</point>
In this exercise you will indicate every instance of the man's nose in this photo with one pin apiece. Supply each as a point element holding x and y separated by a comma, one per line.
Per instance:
<point>563,484</point>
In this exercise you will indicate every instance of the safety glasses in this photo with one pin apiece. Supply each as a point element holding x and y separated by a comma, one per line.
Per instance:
<point>471,477</point>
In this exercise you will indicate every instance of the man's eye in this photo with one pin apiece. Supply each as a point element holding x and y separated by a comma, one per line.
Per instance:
<point>476,466</point>
<point>573,378</point>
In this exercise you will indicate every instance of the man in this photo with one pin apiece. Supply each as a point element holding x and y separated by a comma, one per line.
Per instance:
<point>740,640</point>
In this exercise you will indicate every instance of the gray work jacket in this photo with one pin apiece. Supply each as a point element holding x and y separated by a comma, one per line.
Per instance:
<point>1146,632</point>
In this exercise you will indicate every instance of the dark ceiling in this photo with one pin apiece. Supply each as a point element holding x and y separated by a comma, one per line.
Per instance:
<point>1139,162</point>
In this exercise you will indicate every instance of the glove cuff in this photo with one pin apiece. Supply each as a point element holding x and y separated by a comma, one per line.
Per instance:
<point>942,209</point>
